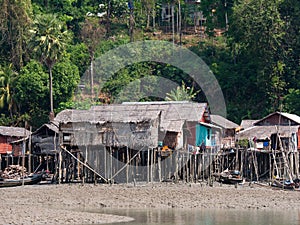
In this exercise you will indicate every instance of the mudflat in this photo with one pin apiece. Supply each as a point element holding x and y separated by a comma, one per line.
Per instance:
<point>78,203</point>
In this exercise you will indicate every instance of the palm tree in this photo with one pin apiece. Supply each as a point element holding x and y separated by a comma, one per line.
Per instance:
<point>7,75</point>
<point>49,42</point>
<point>181,93</point>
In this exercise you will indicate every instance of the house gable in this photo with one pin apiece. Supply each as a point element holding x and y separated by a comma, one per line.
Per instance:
<point>277,118</point>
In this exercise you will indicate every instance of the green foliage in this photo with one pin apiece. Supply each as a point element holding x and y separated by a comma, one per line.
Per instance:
<point>31,87</point>
<point>65,80</point>
<point>31,90</point>
<point>49,38</point>
<point>15,20</point>
<point>292,102</point>
<point>182,93</point>
<point>79,56</point>
<point>7,76</point>
<point>243,143</point>
<point>256,62</point>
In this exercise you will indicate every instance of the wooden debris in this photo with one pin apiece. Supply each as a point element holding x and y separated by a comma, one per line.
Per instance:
<point>14,172</point>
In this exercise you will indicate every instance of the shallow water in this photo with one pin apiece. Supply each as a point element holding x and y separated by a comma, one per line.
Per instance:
<point>208,217</point>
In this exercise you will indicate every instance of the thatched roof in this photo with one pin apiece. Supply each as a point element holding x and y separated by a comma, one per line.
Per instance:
<point>106,114</point>
<point>172,114</point>
<point>172,111</point>
<point>52,126</point>
<point>223,122</point>
<point>14,131</point>
<point>262,132</point>
<point>247,123</point>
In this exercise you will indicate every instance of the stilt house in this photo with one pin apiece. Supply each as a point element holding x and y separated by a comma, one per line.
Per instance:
<point>7,136</point>
<point>106,135</point>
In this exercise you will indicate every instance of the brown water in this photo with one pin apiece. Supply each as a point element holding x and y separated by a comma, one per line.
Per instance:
<point>208,217</point>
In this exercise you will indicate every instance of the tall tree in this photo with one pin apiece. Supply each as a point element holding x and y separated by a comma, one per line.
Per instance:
<point>290,12</point>
<point>149,6</point>
<point>49,40</point>
<point>91,34</point>
<point>15,19</point>
<point>257,27</point>
<point>7,77</point>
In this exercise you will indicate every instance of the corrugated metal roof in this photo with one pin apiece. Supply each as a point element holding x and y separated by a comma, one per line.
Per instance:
<point>211,125</point>
<point>289,116</point>
<point>223,122</point>
<point>14,131</point>
<point>292,117</point>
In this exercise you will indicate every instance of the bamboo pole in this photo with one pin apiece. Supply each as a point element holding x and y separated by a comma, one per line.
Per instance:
<point>148,165</point>
<point>60,168</point>
<point>176,166</point>
<point>159,165</point>
<point>127,163</point>
<point>151,165</point>
<point>110,163</point>
<point>242,164</point>
<point>203,165</point>
<point>297,162</point>
<point>29,152</point>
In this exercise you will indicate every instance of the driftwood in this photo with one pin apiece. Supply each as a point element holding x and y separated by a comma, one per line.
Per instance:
<point>14,172</point>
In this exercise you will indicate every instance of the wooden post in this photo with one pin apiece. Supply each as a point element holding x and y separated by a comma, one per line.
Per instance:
<point>111,164</point>
<point>151,165</point>
<point>292,163</point>
<point>105,162</point>
<point>60,167</point>
<point>203,166</point>
<point>297,163</point>
<point>270,168</point>
<point>182,166</point>
<point>176,165</point>
<point>159,164</point>
<point>85,162</point>
<point>148,165</point>
<point>29,152</point>
<point>188,166</point>
<point>237,159</point>
<point>78,166</point>
<point>242,163</point>
<point>127,167</point>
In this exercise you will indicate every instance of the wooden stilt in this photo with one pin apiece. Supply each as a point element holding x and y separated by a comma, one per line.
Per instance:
<point>242,163</point>
<point>297,163</point>
<point>127,166</point>
<point>60,168</point>
<point>176,164</point>
<point>151,165</point>
<point>148,165</point>
<point>159,164</point>
<point>203,166</point>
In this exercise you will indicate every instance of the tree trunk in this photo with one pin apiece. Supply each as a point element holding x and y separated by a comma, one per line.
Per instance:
<point>179,27</point>
<point>131,24</point>
<point>108,18</point>
<point>51,94</point>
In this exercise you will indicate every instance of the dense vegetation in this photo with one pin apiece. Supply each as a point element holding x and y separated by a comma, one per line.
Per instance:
<point>47,45</point>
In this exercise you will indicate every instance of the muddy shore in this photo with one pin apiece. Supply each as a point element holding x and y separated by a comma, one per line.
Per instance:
<point>74,203</point>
